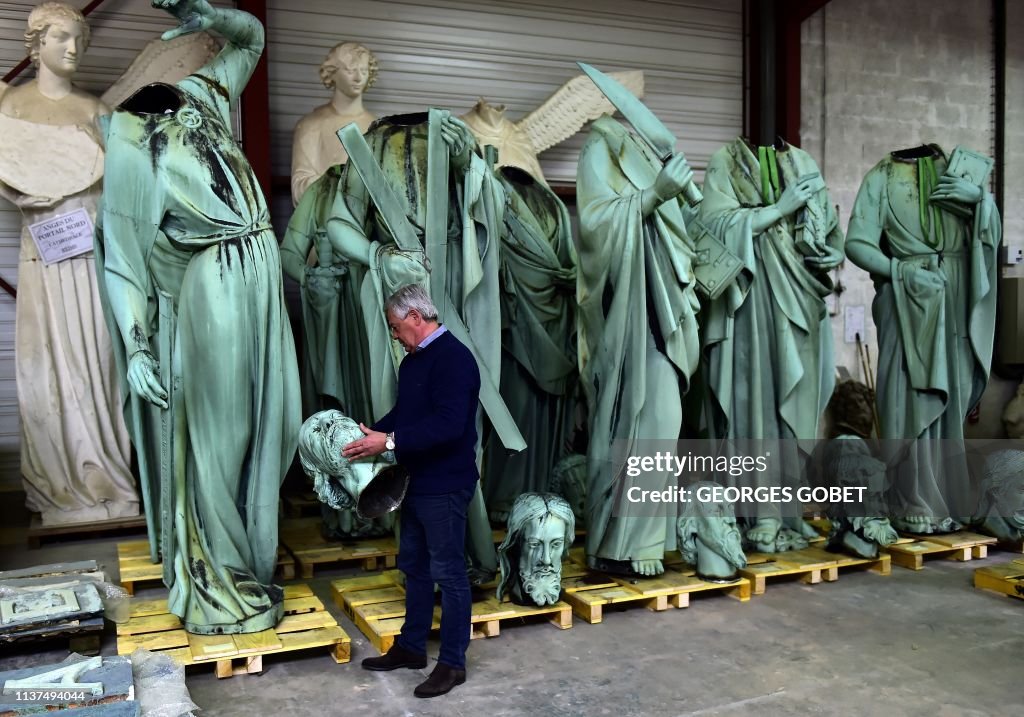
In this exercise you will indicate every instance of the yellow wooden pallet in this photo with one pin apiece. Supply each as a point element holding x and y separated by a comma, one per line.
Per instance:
<point>376,604</point>
<point>306,624</point>
<point>812,565</point>
<point>135,567</point>
<point>305,541</point>
<point>911,552</point>
<point>591,591</point>
<point>1005,578</point>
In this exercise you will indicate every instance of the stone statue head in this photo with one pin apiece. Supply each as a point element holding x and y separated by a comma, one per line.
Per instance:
<point>1001,507</point>
<point>569,480</point>
<point>708,537</point>
<point>57,36</point>
<point>372,486</point>
<point>850,409</point>
<point>349,68</point>
<point>541,528</point>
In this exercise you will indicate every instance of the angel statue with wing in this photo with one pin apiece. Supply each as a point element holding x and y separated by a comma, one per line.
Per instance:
<point>75,451</point>
<point>539,377</point>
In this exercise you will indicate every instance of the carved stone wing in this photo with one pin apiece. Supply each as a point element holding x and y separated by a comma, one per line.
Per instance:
<point>162,61</point>
<point>572,105</point>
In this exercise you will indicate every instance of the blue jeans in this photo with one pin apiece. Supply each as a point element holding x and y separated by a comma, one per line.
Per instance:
<point>432,549</point>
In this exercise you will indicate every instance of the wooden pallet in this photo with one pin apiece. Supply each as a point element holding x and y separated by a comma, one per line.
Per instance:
<point>304,540</point>
<point>1011,546</point>
<point>811,565</point>
<point>306,624</point>
<point>300,505</point>
<point>135,567</point>
<point>376,604</point>
<point>1005,578</point>
<point>588,591</point>
<point>911,552</point>
<point>38,534</point>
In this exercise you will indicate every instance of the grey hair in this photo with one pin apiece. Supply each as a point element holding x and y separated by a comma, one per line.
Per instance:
<point>408,298</point>
<point>354,50</point>
<point>40,19</point>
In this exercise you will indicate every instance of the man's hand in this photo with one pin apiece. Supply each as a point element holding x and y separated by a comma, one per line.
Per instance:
<point>371,444</point>
<point>144,379</point>
<point>194,15</point>
<point>957,189</point>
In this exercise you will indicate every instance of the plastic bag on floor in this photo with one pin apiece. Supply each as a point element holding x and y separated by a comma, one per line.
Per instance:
<point>115,602</point>
<point>160,685</point>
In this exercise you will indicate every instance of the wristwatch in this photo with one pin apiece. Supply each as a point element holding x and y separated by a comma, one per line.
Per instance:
<point>389,441</point>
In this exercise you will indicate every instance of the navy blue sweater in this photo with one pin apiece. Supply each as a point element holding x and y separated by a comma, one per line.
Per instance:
<point>434,418</point>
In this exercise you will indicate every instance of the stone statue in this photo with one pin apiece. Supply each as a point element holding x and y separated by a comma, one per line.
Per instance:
<point>186,229</point>
<point>371,487</point>
<point>935,275</point>
<point>637,324</point>
<point>569,480</point>
<point>709,539</point>
<point>389,230</point>
<point>541,528</point>
<point>348,71</point>
<point>767,342</point>
<point>849,462</point>
<point>75,469</point>
<point>539,367</point>
<point>559,117</point>
<point>1000,510</point>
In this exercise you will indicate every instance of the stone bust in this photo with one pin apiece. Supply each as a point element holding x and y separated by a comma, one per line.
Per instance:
<point>709,539</point>
<point>541,528</point>
<point>1001,506</point>
<point>348,71</point>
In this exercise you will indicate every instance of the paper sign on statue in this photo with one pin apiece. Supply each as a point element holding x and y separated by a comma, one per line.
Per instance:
<point>63,236</point>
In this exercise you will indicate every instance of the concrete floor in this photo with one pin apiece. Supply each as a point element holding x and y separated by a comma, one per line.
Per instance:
<point>914,643</point>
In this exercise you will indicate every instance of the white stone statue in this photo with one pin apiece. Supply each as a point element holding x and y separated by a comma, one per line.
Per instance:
<point>560,116</point>
<point>75,450</point>
<point>348,70</point>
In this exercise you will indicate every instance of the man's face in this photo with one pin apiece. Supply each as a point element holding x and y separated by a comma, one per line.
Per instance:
<point>405,331</point>
<point>540,556</point>
<point>352,74</point>
<point>61,47</point>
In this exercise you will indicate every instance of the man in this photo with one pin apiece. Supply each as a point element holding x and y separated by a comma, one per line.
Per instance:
<point>432,429</point>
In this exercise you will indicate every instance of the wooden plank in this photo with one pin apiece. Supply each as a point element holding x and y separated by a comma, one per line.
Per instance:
<point>305,621</point>
<point>962,539</point>
<point>142,608</point>
<point>303,604</point>
<point>256,642</point>
<point>149,623</point>
<point>152,641</point>
<point>211,647</point>
<point>1007,579</point>
<point>367,597</point>
<point>313,638</point>
<point>297,591</point>
<point>382,610</point>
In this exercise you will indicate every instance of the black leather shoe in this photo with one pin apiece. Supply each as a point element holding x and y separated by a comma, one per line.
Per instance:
<point>395,658</point>
<point>441,681</point>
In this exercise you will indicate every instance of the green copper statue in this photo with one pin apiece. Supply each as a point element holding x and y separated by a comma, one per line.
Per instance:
<point>767,340</point>
<point>215,421</point>
<point>437,203</point>
<point>539,366</point>
<point>541,528</point>
<point>637,323</point>
<point>848,461</point>
<point>929,240</point>
<point>708,537</point>
<point>1000,510</point>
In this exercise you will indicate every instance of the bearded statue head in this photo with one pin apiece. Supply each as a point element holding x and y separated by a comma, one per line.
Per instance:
<point>541,527</point>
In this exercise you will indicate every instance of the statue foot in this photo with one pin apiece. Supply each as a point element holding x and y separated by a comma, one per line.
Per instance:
<point>925,524</point>
<point>853,543</point>
<point>762,535</point>
<point>880,531</point>
<point>806,530</point>
<point>647,568</point>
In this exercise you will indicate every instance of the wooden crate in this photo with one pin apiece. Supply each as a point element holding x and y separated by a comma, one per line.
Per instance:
<point>300,505</point>
<point>376,604</point>
<point>910,552</point>
<point>135,567</point>
<point>1005,578</point>
<point>38,534</point>
<point>306,625</point>
<point>589,591</point>
<point>303,538</point>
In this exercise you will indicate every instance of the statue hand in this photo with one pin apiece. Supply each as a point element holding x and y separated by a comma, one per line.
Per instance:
<point>925,281</point>
<point>459,138</point>
<point>194,15</point>
<point>957,189</point>
<point>672,178</point>
<point>832,258</point>
<point>144,379</point>
<point>794,197</point>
